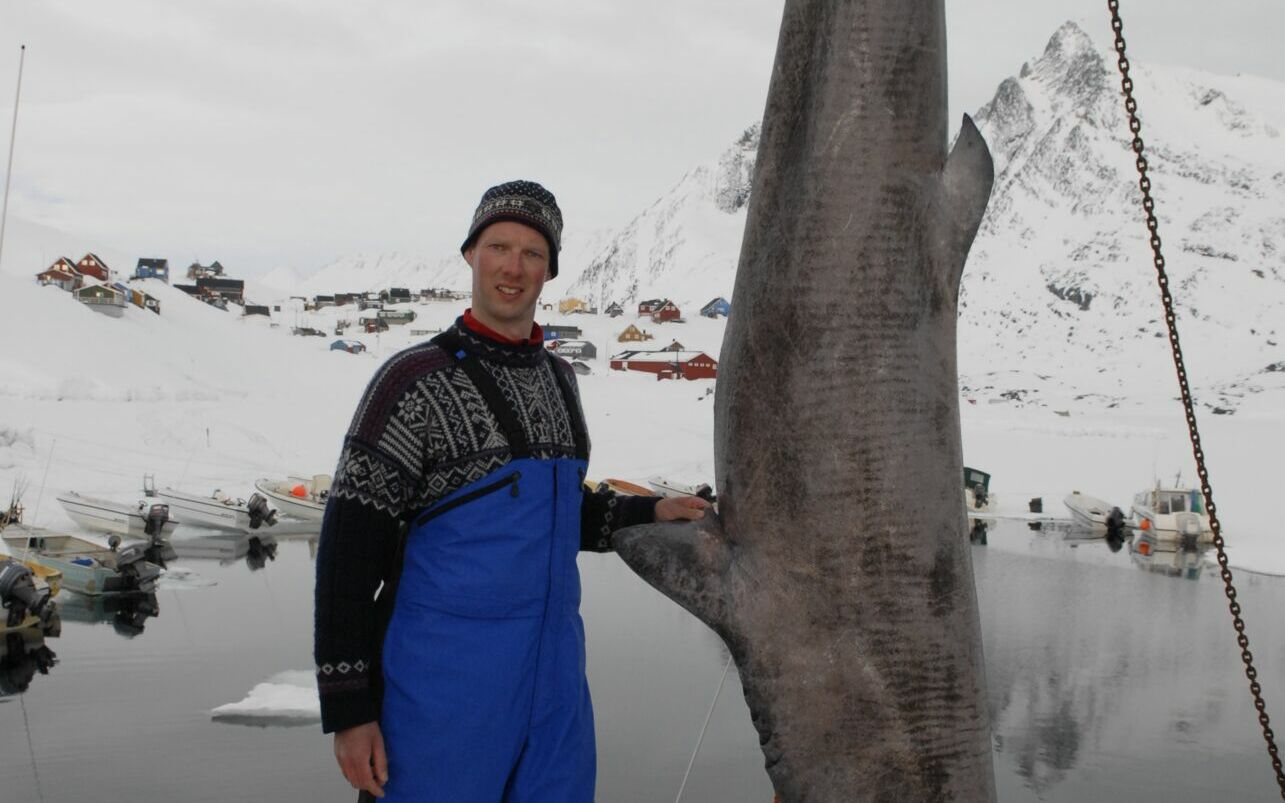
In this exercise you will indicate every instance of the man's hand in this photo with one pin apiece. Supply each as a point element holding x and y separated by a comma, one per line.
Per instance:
<point>360,750</point>
<point>674,508</point>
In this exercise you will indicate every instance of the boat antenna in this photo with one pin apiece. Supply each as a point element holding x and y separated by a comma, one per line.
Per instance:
<point>13,131</point>
<point>41,492</point>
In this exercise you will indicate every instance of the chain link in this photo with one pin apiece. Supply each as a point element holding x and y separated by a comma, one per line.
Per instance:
<point>1153,226</point>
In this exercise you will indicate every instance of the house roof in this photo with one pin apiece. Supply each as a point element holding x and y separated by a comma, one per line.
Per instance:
<point>661,356</point>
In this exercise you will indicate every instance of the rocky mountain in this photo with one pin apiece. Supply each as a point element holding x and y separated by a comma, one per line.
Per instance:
<point>1059,303</point>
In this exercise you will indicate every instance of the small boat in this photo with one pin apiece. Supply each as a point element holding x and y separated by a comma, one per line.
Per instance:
<point>977,485</point>
<point>145,518</point>
<point>87,566</point>
<point>1172,514</point>
<point>667,487</point>
<point>1091,513</point>
<point>625,488</point>
<point>26,598</point>
<point>297,497</point>
<point>219,511</point>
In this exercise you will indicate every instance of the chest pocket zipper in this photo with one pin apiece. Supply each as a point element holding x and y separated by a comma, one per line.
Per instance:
<point>510,480</point>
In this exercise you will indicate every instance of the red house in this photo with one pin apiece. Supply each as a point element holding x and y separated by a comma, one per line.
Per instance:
<point>91,265</point>
<point>63,274</point>
<point>667,311</point>
<point>668,364</point>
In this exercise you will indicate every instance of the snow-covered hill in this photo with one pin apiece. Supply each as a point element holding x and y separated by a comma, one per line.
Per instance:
<point>1059,303</point>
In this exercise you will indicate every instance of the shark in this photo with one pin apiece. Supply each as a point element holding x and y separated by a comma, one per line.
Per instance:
<point>837,567</point>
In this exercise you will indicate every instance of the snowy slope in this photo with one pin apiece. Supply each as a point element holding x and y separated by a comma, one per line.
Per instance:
<point>1059,298</point>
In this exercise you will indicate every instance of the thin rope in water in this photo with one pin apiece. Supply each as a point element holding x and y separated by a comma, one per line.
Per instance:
<point>708,715</point>
<point>31,750</point>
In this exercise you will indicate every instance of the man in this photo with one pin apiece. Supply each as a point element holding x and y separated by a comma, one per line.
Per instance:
<point>470,451</point>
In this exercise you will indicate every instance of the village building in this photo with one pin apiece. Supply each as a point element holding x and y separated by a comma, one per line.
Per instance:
<point>342,299</point>
<point>198,271</point>
<point>650,305</point>
<point>91,266</point>
<point>633,334</point>
<point>577,349</point>
<point>668,364</point>
<point>667,311</point>
<point>675,346</point>
<point>581,368</point>
<point>561,331</point>
<point>256,309</point>
<point>321,302</point>
<point>717,307</point>
<point>225,289</point>
<point>615,310</point>
<point>569,305</point>
<point>103,298</point>
<point>399,295</point>
<point>149,268</point>
<point>396,317</point>
<point>61,274</point>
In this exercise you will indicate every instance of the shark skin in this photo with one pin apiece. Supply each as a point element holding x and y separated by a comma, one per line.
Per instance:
<point>838,570</point>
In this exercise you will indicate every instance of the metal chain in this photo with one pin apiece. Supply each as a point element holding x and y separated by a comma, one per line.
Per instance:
<point>1153,226</point>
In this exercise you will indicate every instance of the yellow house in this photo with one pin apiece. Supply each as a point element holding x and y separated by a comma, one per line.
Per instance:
<point>633,334</point>
<point>569,305</point>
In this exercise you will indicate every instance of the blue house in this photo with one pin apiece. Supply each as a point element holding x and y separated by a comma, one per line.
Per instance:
<point>717,307</point>
<point>153,269</point>
<point>561,331</point>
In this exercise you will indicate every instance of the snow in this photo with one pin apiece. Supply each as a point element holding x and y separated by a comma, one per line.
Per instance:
<point>288,695</point>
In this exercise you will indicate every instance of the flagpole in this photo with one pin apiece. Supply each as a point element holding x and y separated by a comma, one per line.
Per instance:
<point>13,132</point>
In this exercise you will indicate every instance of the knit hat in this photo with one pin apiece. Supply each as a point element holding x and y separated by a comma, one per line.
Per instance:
<point>523,202</point>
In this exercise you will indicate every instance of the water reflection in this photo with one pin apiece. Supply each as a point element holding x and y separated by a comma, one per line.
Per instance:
<point>23,655</point>
<point>127,613</point>
<point>1171,558</point>
<point>256,550</point>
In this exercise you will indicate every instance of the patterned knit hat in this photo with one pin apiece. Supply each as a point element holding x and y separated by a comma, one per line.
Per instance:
<point>522,202</point>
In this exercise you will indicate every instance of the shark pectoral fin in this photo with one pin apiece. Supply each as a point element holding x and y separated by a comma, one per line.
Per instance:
<point>685,561</point>
<point>964,190</point>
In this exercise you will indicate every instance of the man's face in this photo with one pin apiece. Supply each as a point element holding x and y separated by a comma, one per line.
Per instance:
<point>510,264</point>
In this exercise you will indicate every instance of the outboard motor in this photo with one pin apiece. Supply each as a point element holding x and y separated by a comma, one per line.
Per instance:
<point>155,519</point>
<point>19,595</point>
<point>260,512</point>
<point>139,574</point>
<point>1115,523</point>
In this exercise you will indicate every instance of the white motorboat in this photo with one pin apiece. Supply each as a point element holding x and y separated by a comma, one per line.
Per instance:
<point>145,518</point>
<point>219,511</point>
<point>1091,513</point>
<point>297,497</point>
<point>667,487</point>
<point>1172,514</point>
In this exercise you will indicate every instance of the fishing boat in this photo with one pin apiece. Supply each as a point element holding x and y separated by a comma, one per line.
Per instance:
<point>1091,513</point>
<point>668,487</point>
<point>1172,514</point>
<point>296,497</point>
<point>87,565</point>
<point>219,511</point>
<point>145,518</point>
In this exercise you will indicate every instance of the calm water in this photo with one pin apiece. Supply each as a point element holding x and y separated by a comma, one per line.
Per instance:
<point>1112,677</point>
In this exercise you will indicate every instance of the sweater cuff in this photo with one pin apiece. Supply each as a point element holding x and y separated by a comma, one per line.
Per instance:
<point>348,709</point>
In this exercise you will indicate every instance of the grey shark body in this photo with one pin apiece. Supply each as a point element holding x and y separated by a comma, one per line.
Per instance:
<point>838,569</point>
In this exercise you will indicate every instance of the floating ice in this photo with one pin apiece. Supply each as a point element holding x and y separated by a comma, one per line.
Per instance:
<point>285,699</point>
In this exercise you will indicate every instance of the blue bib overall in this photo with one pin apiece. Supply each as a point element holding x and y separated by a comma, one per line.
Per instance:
<point>485,695</point>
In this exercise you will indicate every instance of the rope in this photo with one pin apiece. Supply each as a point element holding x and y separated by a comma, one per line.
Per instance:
<point>708,715</point>
<point>1153,226</point>
<point>31,750</point>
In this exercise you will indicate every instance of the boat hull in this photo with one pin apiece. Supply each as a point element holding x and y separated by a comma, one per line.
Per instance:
<point>102,515</point>
<point>85,567</point>
<point>278,493</point>
<point>206,511</point>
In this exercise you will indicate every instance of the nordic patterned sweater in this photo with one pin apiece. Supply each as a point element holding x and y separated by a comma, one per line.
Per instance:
<point>422,431</point>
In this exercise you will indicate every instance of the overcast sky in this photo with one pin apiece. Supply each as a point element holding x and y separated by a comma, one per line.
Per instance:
<point>271,133</point>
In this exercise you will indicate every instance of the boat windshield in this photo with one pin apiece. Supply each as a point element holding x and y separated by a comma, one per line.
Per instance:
<point>1172,503</point>
<point>1197,502</point>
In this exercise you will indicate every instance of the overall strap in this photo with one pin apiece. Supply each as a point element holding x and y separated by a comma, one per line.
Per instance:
<point>491,393</point>
<point>578,430</point>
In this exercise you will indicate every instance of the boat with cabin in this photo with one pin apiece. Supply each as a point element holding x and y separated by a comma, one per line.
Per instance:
<point>297,497</point>
<point>1174,513</point>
